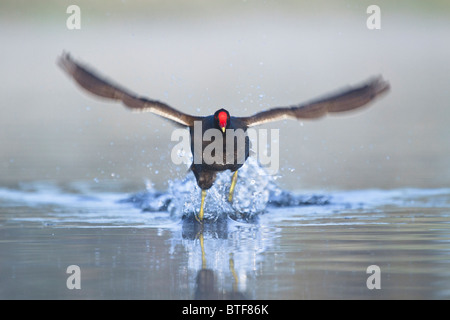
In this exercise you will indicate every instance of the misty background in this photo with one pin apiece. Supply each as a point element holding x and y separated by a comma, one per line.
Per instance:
<point>245,56</point>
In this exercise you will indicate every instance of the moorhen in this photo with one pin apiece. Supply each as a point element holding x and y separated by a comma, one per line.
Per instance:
<point>206,169</point>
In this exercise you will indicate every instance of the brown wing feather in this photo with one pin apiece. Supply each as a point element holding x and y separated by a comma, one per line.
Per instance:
<point>344,101</point>
<point>107,89</point>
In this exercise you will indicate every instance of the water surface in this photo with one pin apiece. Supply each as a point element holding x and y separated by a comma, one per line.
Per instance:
<point>291,251</point>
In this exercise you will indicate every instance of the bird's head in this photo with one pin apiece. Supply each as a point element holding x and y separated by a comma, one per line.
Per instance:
<point>222,119</point>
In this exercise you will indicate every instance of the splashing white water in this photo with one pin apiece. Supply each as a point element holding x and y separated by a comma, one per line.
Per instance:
<point>256,192</point>
<point>251,194</point>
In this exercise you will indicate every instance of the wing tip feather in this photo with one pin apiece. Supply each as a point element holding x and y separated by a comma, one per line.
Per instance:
<point>378,85</point>
<point>65,62</point>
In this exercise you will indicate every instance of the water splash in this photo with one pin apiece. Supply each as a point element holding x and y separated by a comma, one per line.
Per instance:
<point>250,196</point>
<point>255,191</point>
<point>81,204</point>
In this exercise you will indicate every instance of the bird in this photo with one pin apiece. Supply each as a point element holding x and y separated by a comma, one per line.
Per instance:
<point>206,169</point>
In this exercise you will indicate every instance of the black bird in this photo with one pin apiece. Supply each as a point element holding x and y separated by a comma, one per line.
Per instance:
<point>206,169</point>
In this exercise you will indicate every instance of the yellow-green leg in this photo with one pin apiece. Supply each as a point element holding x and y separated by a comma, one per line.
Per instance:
<point>200,214</point>
<point>203,251</point>
<point>233,184</point>
<point>233,272</point>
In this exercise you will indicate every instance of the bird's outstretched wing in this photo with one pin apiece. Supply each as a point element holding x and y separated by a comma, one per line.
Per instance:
<point>102,87</point>
<point>345,100</point>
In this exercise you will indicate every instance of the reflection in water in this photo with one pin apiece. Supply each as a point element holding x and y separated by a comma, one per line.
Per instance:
<point>206,288</point>
<point>216,278</point>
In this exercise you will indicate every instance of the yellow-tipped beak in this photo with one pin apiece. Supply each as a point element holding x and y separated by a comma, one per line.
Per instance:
<point>223,129</point>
